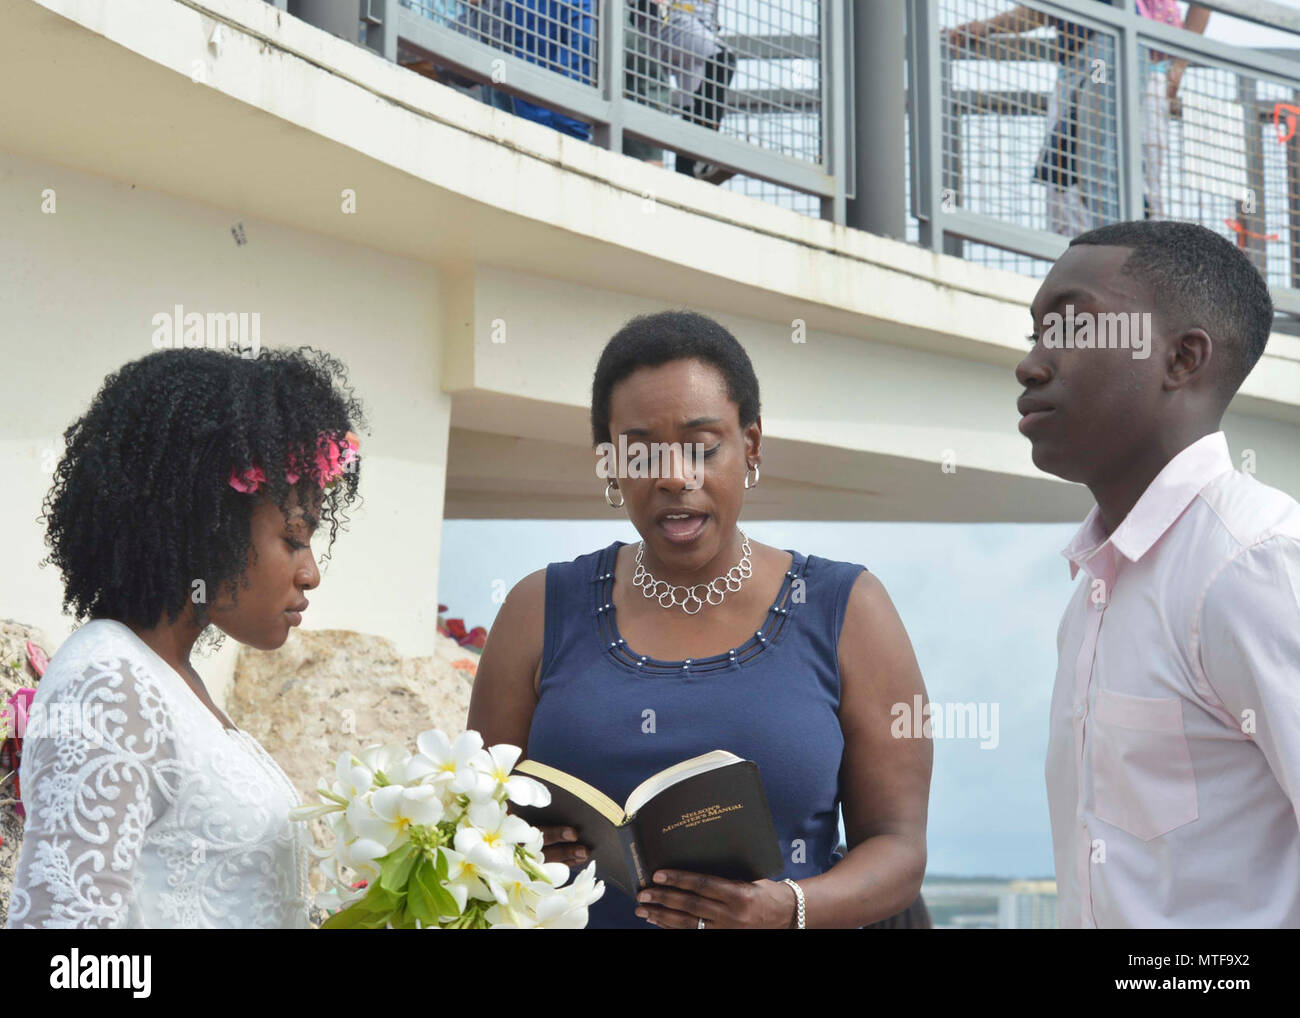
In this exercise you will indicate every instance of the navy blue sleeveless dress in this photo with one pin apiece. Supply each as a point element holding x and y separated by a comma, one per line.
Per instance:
<point>612,716</point>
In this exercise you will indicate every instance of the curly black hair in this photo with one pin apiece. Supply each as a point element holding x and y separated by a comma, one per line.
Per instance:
<point>141,505</point>
<point>652,339</point>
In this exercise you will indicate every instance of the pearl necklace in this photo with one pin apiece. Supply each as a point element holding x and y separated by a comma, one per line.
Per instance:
<point>732,580</point>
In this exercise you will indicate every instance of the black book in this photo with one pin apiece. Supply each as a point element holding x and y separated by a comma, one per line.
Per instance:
<point>708,814</point>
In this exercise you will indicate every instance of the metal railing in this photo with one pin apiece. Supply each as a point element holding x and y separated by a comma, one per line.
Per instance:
<point>759,92</point>
<point>1022,139</point>
<point>996,150</point>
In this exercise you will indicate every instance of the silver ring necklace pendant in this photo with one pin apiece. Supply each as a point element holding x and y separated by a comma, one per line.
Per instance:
<point>667,594</point>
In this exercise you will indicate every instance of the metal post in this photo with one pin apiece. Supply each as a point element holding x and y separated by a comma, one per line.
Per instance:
<point>1132,185</point>
<point>880,201</point>
<point>834,126</point>
<point>338,17</point>
<point>380,20</point>
<point>927,114</point>
<point>611,27</point>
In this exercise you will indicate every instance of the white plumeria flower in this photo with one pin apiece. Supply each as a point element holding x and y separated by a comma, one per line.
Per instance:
<point>501,882</point>
<point>443,761</point>
<point>556,873</point>
<point>360,820</point>
<point>360,855</point>
<point>489,824</point>
<point>389,761</point>
<point>517,911</point>
<point>356,772</point>
<point>525,903</point>
<point>477,873</point>
<point>535,846</point>
<point>353,777</point>
<point>396,807</point>
<point>555,912</point>
<point>536,904</point>
<point>566,907</point>
<point>492,771</point>
<point>381,792</point>
<point>585,889</point>
<point>526,791</point>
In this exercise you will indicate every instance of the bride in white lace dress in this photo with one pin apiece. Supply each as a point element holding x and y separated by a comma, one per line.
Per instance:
<point>145,806</point>
<point>151,812</point>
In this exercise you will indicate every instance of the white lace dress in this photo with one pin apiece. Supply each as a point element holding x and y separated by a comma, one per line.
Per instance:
<point>143,810</point>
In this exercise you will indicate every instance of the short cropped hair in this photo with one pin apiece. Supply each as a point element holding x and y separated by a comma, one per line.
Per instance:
<point>649,340</point>
<point>1206,281</point>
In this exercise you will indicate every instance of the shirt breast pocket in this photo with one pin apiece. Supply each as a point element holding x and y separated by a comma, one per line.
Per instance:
<point>1142,775</point>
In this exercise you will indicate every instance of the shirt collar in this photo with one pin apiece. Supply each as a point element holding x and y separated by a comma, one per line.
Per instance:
<point>1164,500</point>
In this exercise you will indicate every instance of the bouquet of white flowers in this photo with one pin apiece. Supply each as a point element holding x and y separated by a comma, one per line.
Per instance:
<point>430,836</point>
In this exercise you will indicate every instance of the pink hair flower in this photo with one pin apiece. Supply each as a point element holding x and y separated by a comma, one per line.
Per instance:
<point>332,459</point>
<point>249,481</point>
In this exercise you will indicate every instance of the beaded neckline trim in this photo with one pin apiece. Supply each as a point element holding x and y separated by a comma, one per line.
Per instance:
<point>778,615</point>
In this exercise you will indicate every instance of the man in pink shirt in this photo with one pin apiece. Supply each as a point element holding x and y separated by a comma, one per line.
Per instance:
<point>1173,760</point>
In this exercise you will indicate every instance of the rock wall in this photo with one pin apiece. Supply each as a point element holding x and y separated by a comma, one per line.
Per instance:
<point>326,691</point>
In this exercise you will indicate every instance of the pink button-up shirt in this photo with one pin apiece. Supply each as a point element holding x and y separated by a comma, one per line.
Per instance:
<point>1173,761</point>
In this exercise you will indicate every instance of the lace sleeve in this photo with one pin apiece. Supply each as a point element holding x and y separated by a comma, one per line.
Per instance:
<point>97,734</point>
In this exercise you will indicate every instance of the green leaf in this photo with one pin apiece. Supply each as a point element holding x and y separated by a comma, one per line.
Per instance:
<point>395,867</point>
<point>421,902</point>
<point>355,918</point>
<point>441,900</point>
<point>378,903</point>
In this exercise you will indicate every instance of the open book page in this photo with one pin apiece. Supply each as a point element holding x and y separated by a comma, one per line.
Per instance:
<point>593,796</point>
<point>656,783</point>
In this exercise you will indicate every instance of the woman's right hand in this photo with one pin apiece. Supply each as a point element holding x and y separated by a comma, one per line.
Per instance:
<point>561,845</point>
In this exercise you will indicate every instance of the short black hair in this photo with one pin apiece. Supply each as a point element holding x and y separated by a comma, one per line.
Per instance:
<point>649,340</point>
<point>141,504</point>
<point>1205,280</point>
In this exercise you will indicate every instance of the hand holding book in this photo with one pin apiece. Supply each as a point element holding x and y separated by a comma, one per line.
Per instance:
<point>679,900</point>
<point>560,844</point>
<point>702,824</point>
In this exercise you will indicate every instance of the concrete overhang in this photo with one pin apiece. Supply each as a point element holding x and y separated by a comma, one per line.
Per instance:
<point>283,118</point>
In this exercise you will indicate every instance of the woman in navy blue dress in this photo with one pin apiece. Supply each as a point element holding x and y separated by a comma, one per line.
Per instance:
<point>794,661</point>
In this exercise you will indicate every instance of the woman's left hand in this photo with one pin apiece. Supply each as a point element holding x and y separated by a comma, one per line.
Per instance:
<point>682,899</point>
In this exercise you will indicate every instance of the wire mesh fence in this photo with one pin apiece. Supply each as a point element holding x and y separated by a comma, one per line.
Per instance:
<point>558,35</point>
<point>1031,132</point>
<point>1029,128</point>
<point>1050,119</point>
<point>749,70</point>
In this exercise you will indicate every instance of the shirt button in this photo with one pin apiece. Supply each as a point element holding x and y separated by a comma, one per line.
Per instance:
<point>1078,710</point>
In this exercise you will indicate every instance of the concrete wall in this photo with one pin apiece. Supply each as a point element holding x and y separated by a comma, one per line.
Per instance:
<point>80,288</point>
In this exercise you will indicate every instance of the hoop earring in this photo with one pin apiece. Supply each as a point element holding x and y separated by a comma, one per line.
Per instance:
<point>755,484</point>
<point>619,504</point>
